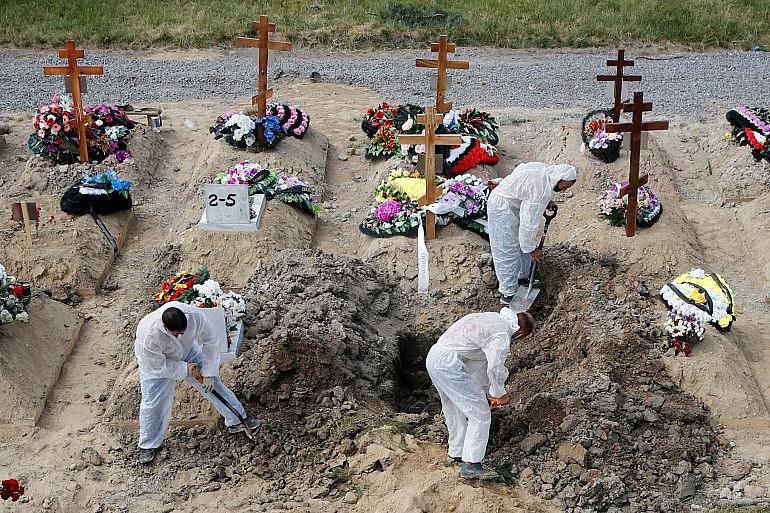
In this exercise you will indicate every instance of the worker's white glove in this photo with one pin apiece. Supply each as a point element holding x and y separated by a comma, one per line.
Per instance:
<point>208,383</point>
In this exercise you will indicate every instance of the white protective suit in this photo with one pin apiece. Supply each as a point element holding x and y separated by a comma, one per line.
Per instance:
<point>514,210</point>
<point>163,360</point>
<point>466,363</point>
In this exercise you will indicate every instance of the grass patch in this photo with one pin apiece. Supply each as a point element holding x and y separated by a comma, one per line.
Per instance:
<point>137,24</point>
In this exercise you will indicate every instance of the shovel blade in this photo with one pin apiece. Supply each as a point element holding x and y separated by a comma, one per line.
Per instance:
<point>522,300</point>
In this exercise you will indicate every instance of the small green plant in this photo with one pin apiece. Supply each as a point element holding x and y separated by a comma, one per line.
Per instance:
<point>711,170</point>
<point>338,475</point>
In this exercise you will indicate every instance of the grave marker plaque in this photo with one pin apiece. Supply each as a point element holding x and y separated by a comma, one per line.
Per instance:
<point>227,204</point>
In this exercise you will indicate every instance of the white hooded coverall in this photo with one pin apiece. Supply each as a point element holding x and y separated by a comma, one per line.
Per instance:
<point>514,209</point>
<point>163,359</point>
<point>466,363</point>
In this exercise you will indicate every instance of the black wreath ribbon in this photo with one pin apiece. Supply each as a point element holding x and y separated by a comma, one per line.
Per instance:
<point>708,307</point>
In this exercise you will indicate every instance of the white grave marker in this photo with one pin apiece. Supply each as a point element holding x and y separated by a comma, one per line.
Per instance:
<point>228,208</point>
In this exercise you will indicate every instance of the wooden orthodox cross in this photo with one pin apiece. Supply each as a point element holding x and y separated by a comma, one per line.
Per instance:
<point>636,127</point>
<point>442,64</point>
<point>430,139</point>
<point>264,44</point>
<point>74,71</point>
<point>618,78</point>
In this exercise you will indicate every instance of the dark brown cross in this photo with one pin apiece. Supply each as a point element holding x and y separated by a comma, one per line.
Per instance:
<point>74,71</point>
<point>442,64</point>
<point>264,44</point>
<point>430,139</point>
<point>618,78</point>
<point>636,127</point>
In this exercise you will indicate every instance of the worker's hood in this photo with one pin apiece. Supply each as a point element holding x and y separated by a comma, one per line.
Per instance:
<point>560,172</point>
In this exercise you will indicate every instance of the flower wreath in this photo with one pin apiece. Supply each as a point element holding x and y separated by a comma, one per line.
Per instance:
<point>474,122</point>
<point>464,201</point>
<point>55,135</point>
<point>383,125</point>
<point>14,298</point>
<point>180,287</point>
<point>613,209</point>
<point>751,127</point>
<point>392,217</point>
<point>472,152</point>
<point>102,193</point>
<point>402,184</point>
<point>295,122</point>
<point>270,182</point>
<point>707,296</point>
<point>376,116</point>
<point>602,144</point>
<point>248,130</point>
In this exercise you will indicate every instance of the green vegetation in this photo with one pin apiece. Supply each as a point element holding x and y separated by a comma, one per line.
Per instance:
<point>348,24</point>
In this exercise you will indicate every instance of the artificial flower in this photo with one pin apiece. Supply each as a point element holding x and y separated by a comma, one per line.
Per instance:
<point>684,292</point>
<point>600,143</point>
<point>392,217</point>
<point>11,489</point>
<point>613,208</point>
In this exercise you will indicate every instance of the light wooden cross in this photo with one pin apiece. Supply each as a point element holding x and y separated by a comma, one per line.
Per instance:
<point>264,44</point>
<point>618,78</point>
<point>442,64</point>
<point>74,71</point>
<point>636,127</point>
<point>430,139</point>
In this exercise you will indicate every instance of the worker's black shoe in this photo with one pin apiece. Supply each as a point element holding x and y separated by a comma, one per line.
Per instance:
<point>147,455</point>
<point>240,428</point>
<point>476,471</point>
<point>506,300</point>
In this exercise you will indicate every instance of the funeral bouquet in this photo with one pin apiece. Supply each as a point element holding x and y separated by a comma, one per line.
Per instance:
<point>14,298</point>
<point>751,127</point>
<point>613,208</point>
<point>683,330</point>
<point>464,201</point>
<point>270,182</point>
<point>247,130</point>
<point>402,183</point>
<point>472,121</point>
<point>384,123</point>
<point>295,122</point>
<point>11,489</point>
<point>600,143</point>
<point>55,135</point>
<point>469,154</point>
<point>392,217</point>
<point>209,294</point>
<point>707,296</point>
<point>180,287</point>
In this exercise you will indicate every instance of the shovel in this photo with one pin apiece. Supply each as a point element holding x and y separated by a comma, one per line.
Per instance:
<point>523,298</point>
<point>199,377</point>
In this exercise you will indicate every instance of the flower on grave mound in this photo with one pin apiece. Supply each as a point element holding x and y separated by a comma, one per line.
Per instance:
<point>294,121</point>
<point>392,217</point>
<point>180,287</point>
<point>11,489</point>
<point>376,116</point>
<point>472,152</point>
<point>384,123</point>
<point>613,208</point>
<point>602,144</point>
<point>102,193</point>
<point>402,184</point>
<point>473,122</point>
<point>464,201</point>
<point>751,127</point>
<point>292,190</point>
<point>55,135</point>
<point>14,298</point>
<point>707,296</point>
<point>684,330</point>
<point>209,294</point>
<point>247,130</point>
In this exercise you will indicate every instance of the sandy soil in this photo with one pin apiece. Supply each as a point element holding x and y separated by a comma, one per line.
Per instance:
<point>65,444</point>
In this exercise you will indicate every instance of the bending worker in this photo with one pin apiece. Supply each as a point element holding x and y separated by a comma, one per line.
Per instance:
<point>172,343</point>
<point>466,364</point>
<point>514,210</point>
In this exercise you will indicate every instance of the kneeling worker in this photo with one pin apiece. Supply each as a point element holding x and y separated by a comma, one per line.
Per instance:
<point>177,342</point>
<point>466,363</point>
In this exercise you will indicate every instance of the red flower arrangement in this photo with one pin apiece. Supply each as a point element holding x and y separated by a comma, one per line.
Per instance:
<point>11,490</point>
<point>180,286</point>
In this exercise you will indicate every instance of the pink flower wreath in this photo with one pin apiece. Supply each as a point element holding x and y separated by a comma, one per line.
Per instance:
<point>293,120</point>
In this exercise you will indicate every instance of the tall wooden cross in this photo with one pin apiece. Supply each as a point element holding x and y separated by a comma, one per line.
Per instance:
<point>636,127</point>
<point>264,44</point>
<point>74,71</point>
<point>430,139</point>
<point>442,64</point>
<point>618,78</point>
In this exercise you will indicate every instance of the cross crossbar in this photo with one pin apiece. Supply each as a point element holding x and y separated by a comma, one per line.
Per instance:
<point>618,78</point>
<point>430,139</point>
<point>264,44</point>
<point>74,71</point>
<point>635,127</point>
<point>442,64</point>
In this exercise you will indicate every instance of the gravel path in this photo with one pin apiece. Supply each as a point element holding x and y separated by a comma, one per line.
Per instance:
<point>684,84</point>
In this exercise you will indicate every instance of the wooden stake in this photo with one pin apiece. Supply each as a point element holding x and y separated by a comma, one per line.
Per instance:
<point>74,71</point>
<point>264,44</point>
<point>442,64</point>
<point>636,127</point>
<point>618,78</point>
<point>430,139</point>
<point>27,221</point>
